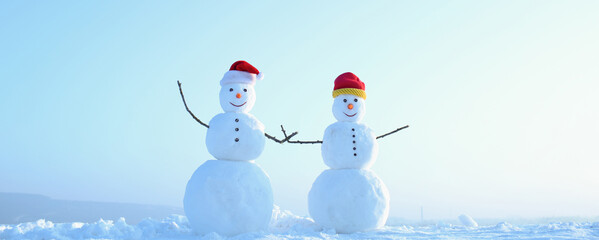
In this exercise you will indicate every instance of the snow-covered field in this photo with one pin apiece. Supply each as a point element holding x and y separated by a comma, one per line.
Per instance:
<point>285,225</point>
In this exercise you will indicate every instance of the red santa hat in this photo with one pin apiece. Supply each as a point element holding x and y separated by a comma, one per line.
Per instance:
<point>349,83</point>
<point>241,72</point>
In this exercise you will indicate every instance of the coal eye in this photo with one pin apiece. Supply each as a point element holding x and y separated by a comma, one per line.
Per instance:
<point>344,100</point>
<point>245,90</point>
<point>230,89</point>
<point>355,100</point>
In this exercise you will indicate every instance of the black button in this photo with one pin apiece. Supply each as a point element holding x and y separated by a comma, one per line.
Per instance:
<point>355,154</point>
<point>236,119</point>
<point>236,139</point>
<point>354,148</point>
<point>354,141</point>
<point>236,129</point>
<point>353,129</point>
<point>353,135</point>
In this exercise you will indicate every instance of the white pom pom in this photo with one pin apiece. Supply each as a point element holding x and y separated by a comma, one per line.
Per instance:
<point>260,76</point>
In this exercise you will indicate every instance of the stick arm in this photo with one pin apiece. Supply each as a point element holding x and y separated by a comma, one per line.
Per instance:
<point>187,108</point>
<point>392,132</point>
<point>207,126</point>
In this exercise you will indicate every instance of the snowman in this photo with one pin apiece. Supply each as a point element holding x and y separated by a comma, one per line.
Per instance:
<point>232,194</point>
<point>349,197</point>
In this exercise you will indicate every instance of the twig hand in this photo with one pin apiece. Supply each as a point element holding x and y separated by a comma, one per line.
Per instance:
<point>286,139</point>
<point>186,108</point>
<point>297,141</point>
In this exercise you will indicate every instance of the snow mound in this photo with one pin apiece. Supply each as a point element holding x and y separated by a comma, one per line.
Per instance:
<point>172,227</point>
<point>467,221</point>
<point>285,221</point>
<point>505,227</point>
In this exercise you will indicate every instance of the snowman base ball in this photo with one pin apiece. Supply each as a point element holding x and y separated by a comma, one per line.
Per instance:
<point>229,198</point>
<point>349,200</point>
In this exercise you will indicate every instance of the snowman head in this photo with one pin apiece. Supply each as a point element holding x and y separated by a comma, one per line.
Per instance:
<point>237,87</point>
<point>237,97</point>
<point>349,94</point>
<point>349,108</point>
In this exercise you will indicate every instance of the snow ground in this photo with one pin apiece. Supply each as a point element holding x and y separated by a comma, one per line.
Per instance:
<point>285,225</point>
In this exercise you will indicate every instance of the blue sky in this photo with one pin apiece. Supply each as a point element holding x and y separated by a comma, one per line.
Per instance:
<point>500,96</point>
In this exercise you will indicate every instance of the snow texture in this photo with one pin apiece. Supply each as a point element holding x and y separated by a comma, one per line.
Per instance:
<point>228,197</point>
<point>235,136</point>
<point>285,225</point>
<point>349,145</point>
<point>349,200</point>
<point>467,221</point>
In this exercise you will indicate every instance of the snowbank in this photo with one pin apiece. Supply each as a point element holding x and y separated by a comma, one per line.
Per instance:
<point>467,221</point>
<point>174,226</point>
<point>285,225</point>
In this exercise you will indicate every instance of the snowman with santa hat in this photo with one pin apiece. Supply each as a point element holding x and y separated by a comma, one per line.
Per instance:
<point>232,194</point>
<point>349,197</point>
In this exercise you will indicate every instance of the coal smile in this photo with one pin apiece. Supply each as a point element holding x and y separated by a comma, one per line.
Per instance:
<point>241,104</point>
<point>350,115</point>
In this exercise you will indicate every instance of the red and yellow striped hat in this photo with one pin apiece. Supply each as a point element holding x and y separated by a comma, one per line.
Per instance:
<point>349,83</point>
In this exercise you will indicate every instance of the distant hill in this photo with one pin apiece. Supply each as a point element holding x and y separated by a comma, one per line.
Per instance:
<point>19,207</point>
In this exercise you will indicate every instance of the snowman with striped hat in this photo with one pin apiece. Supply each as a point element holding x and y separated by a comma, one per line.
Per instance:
<point>349,197</point>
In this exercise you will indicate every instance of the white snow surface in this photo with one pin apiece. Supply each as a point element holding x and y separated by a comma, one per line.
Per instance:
<point>285,225</point>
<point>235,136</point>
<point>342,140</point>
<point>349,200</point>
<point>228,197</point>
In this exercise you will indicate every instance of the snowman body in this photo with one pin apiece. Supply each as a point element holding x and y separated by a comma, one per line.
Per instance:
<point>235,136</point>
<point>349,200</point>
<point>232,194</point>
<point>349,145</point>
<point>228,197</point>
<point>349,197</point>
